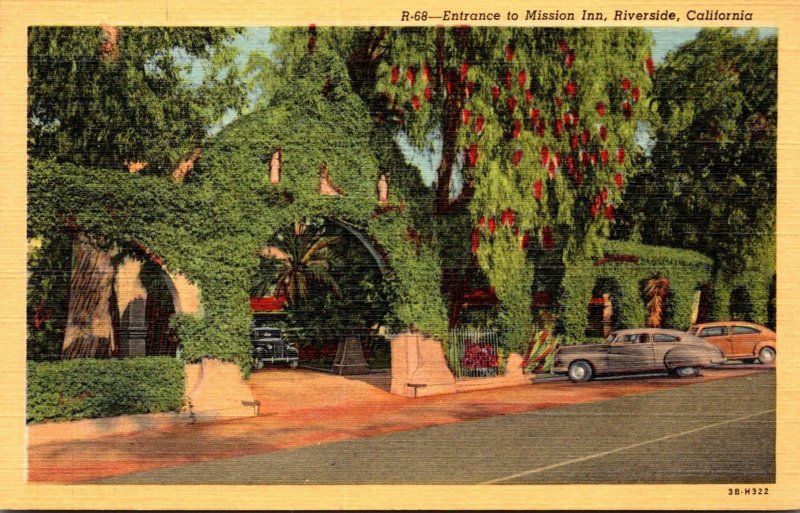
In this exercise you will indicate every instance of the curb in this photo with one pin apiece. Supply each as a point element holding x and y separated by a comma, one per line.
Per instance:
<point>89,429</point>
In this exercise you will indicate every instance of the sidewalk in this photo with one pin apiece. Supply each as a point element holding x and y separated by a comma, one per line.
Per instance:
<point>303,407</point>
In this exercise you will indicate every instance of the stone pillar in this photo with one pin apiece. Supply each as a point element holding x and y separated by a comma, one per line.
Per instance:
<point>419,367</point>
<point>215,390</point>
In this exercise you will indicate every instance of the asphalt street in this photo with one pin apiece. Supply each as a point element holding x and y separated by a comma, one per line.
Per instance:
<point>713,432</point>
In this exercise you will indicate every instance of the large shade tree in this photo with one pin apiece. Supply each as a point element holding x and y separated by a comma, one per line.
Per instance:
<point>127,99</point>
<point>536,129</point>
<point>711,185</point>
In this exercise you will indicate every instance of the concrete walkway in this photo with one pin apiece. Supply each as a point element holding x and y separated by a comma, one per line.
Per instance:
<point>302,408</point>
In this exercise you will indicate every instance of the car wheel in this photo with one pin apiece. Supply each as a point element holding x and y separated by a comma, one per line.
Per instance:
<point>579,371</point>
<point>766,355</point>
<point>687,372</point>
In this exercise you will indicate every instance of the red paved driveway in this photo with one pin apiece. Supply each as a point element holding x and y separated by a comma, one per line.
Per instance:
<point>302,407</point>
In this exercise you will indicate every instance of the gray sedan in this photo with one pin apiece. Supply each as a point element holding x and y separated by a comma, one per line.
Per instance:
<point>636,351</point>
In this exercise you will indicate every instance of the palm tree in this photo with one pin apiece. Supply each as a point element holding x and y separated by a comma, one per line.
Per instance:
<point>656,290</point>
<point>299,258</point>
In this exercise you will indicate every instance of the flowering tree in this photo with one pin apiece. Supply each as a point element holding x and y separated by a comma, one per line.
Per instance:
<point>539,124</point>
<point>536,129</point>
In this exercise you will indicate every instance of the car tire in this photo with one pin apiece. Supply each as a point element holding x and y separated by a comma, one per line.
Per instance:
<point>766,355</point>
<point>687,372</point>
<point>579,371</point>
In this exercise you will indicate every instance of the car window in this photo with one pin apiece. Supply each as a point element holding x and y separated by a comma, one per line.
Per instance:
<point>660,337</point>
<point>714,331</point>
<point>628,339</point>
<point>744,330</point>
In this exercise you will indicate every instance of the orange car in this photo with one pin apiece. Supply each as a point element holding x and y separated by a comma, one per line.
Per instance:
<point>739,340</point>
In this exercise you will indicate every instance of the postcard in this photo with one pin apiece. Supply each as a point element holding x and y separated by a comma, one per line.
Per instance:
<point>412,256</point>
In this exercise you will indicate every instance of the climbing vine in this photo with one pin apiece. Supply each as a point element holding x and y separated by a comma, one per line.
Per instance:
<point>629,265</point>
<point>212,226</point>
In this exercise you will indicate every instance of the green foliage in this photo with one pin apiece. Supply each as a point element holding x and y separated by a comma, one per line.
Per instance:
<point>414,280</point>
<point>48,295</point>
<point>686,271</point>
<point>542,353</point>
<point>755,280</point>
<point>211,227</point>
<point>471,87</point>
<point>712,183</point>
<point>89,388</point>
<point>133,103</point>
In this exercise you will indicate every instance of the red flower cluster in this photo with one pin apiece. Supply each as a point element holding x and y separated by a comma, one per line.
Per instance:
<point>509,52</point>
<point>537,190</point>
<point>472,155</point>
<point>516,129</point>
<point>464,71</point>
<point>479,356</point>
<point>507,217</point>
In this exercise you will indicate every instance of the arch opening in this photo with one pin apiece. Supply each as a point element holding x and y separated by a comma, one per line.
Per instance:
<point>328,282</point>
<point>602,318</point>
<point>741,306</point>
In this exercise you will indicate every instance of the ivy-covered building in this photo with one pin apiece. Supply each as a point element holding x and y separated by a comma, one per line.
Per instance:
<point>315,152</point>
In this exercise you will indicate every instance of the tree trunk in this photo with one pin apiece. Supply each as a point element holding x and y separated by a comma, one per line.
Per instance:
<point>90,323</point>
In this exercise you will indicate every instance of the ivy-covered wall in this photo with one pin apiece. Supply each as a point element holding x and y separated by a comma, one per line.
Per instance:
<point>212,227</point>
<point>686,270</point>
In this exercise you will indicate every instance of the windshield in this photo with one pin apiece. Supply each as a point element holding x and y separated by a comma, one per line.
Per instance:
<point>693,330</point>
<point>611,338</point>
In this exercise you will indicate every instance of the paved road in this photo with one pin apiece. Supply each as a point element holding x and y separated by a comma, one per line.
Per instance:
<point>713,432</point>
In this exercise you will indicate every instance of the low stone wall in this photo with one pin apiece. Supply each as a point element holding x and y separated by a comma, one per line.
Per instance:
<point>419,369</point>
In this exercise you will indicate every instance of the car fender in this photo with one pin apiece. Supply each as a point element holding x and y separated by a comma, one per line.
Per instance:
<point>685,357</point>
<point>565,356</point>
<point>761,345</point>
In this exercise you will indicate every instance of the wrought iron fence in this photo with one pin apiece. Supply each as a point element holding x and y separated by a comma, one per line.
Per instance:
<point>474,352</point>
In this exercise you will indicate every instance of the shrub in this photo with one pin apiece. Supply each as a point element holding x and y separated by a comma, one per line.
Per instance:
<point>91,388</point>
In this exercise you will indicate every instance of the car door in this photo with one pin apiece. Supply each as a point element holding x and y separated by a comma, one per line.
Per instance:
<point>717,335</point>
<point>744,340</point>
<point>663,343</point>
<point>631,352</point>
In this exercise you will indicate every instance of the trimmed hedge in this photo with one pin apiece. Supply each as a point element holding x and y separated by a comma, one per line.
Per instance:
<point>91,388</point>
<point>686,270</point>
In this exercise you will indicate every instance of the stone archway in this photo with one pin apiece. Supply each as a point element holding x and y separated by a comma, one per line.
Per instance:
<point>148,295</point>
<point>342,311</point>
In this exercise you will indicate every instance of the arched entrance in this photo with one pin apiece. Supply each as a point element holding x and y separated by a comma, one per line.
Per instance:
<point>160,339</point>
<point>332,278</point>
<point>601,317</point>
<point>701,304</point>
<point>147,299</point>
<point>741,306</point>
